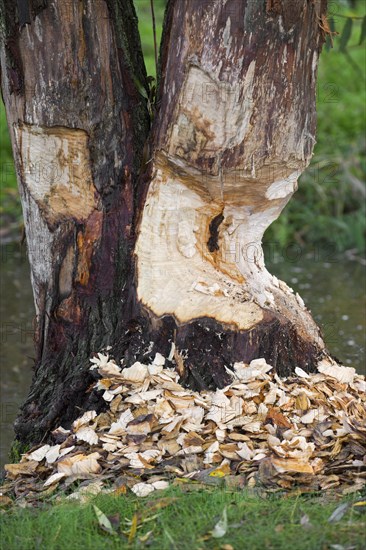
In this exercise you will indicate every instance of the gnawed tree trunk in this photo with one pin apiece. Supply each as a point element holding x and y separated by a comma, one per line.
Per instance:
<point>78,126</point>
<point>235,129</point>
<point>173,255</point>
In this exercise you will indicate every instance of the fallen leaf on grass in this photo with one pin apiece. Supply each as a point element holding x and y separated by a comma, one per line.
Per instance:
<point>144,489</point>
<point>160,485</point>
<point>221,526</point>
<point>159,504</point>
<point>91,489</point>
<point>305,521</point>
<point>360,506</point>
<point>144,538</point>
<point>120,490</point>
<point>103,521</point>
<point>133,529</point>
<point>235,482</point>
<point>339,513</point>
<point>222,471</point>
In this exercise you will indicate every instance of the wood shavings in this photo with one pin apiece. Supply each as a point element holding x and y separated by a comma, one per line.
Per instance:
<point>307,430</point>
<point>137,373</point>
<point>345,375</point>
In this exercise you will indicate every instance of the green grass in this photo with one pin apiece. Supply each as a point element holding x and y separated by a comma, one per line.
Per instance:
<point>185,522</point>
<point>329,208</point>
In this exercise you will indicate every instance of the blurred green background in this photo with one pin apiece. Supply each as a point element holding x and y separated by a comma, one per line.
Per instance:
<point>329,207</point>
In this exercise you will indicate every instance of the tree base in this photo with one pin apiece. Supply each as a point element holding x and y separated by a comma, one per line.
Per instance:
<point>202,352</point>
<point>204,349</point>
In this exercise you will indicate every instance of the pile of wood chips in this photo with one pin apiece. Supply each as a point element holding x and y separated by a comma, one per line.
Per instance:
<point>307,431</point>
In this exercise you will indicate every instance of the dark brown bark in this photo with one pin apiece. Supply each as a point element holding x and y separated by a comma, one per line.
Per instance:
<point>71,74</point>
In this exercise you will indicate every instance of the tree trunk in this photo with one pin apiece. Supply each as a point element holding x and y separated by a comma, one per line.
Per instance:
<point>171,255</point>
<point>78,126</point>
<point>236,127</point>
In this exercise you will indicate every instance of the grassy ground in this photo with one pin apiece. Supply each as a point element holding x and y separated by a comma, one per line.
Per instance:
<point>329,207</point>
<point>181,520</point>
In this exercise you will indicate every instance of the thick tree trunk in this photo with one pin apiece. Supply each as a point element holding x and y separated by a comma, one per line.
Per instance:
<point>173,256</point>
<point>78,125</point>
<point>235,129</point>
